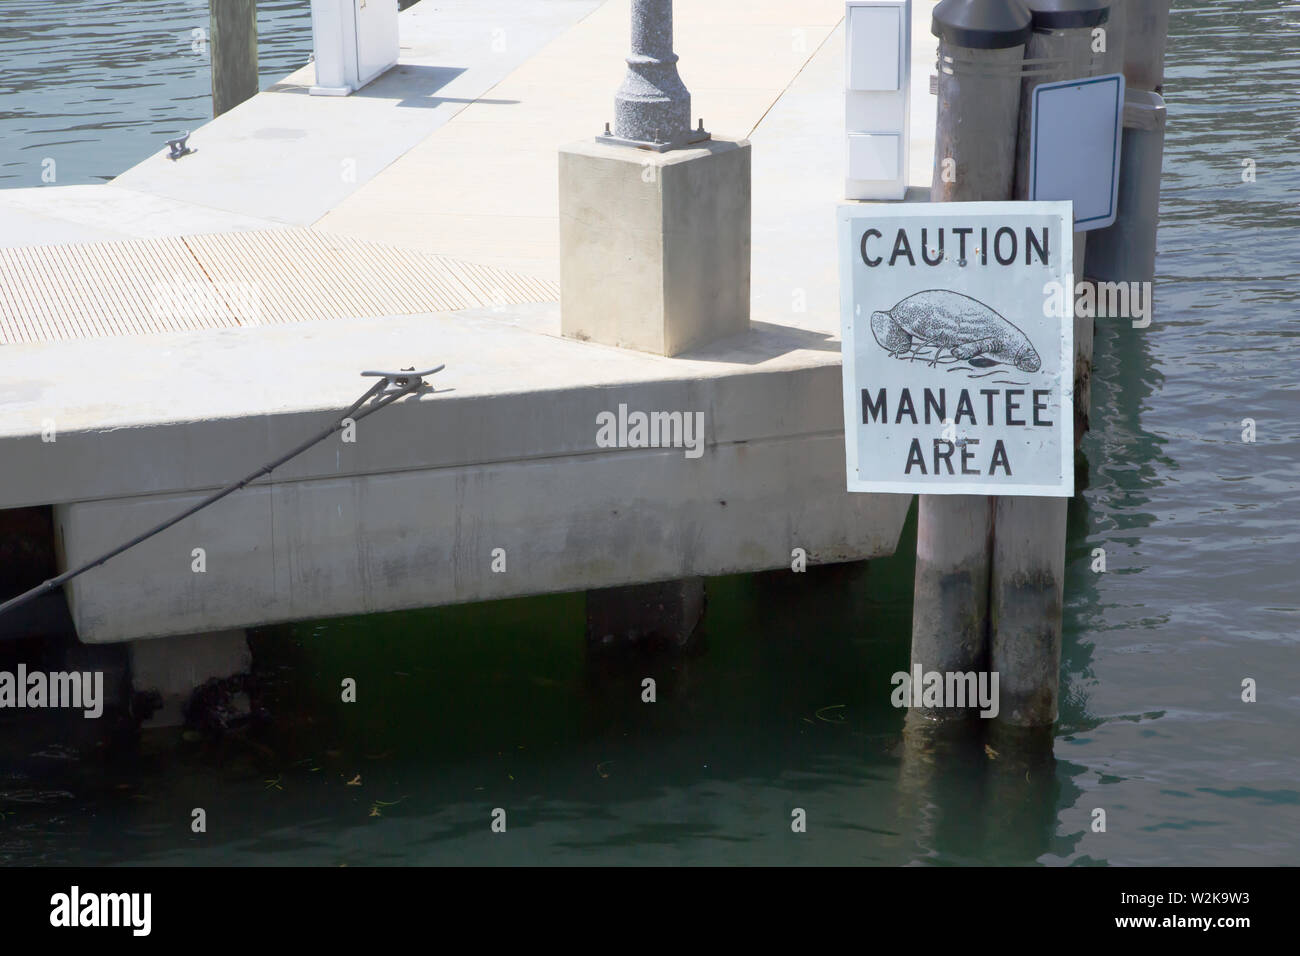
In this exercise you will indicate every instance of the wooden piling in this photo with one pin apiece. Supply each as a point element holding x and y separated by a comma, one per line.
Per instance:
<point>1083,330</point>
<point>981,46</point>
<point>1115,35</point>
<point>976,125</point>
<point>232,38</point>
<point>1027,584</point>
<point>954,534</point>
<point>1145,37</point>
<point>1062,43</point>
<point>1025,608</point>
<point>1126,250</point>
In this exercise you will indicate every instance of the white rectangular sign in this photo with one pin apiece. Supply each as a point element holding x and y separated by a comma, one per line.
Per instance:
<point>1076,128</point>
<point>958,344</point>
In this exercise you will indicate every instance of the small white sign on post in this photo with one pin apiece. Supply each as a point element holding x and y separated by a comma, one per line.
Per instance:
<point>958,345</point>
<point>1076,128</point>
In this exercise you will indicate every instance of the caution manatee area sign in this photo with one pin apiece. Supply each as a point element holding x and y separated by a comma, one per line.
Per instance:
<point>958,345</point>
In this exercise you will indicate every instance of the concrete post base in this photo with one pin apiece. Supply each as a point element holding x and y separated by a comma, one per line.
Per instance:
<point>174,668</point>
<point>654,247</point>
<point>650,616</point>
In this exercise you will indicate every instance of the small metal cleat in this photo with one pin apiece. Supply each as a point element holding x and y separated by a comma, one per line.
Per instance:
<point>178,147</point>
<point>406,376</point>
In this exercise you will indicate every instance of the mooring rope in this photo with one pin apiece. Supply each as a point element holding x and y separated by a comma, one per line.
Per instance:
<point>407,380</point>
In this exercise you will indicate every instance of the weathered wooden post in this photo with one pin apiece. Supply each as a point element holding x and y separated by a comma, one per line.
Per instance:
<point>1136,36</point>
<point>233,42</point>
<point>981,46</point>
<point>1026,596</point>
<point>1029,532</point>
<point>1063,47</point>
<point>981,50</point>
<point>1126,250</point>
<point>1145,30</point>
<point>1115,35</point>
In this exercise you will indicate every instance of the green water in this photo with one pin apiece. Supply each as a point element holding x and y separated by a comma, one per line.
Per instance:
<point>465,709</point>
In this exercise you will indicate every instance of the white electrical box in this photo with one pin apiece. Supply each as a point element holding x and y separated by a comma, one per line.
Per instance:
<point>354,40</point>
<point>874,157</point>
<point>877,69</point>
<point>873,60</point>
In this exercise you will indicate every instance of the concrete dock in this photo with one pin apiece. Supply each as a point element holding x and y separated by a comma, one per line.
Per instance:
<point>429,200</point>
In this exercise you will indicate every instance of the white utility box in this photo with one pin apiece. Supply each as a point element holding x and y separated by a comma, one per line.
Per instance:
<point>355,41</point>
<point>877,70</point>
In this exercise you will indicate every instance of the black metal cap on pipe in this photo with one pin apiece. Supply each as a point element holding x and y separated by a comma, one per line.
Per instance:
<point>1064,14</point>
<point>982,24</point>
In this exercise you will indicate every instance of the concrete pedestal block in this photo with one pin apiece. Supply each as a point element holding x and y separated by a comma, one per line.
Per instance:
<point>176,667</point>
<point>659,615</point>
<point>654,247</point>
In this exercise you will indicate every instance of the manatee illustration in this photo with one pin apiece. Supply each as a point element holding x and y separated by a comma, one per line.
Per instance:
<point>965,328</point>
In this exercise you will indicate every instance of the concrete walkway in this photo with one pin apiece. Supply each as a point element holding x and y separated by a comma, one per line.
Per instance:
<point>506,455</point>
<point>484,187</point>
<point>286,157</point>
<point>454,151</point>
<point>235,279</point>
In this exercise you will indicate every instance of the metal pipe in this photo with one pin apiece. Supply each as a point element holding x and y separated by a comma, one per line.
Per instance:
<point>652,104</point>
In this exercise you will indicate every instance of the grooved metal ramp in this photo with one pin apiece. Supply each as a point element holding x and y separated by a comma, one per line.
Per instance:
<point>225,280</point>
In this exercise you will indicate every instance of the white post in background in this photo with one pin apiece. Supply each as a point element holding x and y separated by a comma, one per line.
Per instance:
<point>354,42</point>
<point>877,70</point>
<point>1126,251</point>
